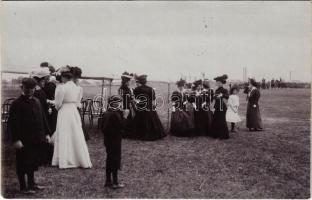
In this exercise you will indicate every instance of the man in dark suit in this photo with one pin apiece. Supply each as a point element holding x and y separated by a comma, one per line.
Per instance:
<point>29,128</point>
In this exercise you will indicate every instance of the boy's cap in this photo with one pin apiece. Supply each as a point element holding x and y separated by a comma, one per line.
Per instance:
<point>141,79</point>
<point>29,83</point>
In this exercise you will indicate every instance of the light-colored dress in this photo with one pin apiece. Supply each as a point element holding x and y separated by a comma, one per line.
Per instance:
<point>70,148</point>
<point>232,111</point>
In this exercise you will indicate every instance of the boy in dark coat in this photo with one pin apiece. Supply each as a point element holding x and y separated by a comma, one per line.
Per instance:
<point>114,120</point>
<point>29,128</point>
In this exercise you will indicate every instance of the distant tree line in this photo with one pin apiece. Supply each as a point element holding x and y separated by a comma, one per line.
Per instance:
<point>277,84</point>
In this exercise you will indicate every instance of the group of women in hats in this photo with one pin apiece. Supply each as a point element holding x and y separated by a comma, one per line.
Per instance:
<point>60,94</point>
<point>200,111</point>
<point>197,109</point>
<point>143,121</point>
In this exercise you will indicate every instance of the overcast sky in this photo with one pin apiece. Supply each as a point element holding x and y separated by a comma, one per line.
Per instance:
<point>161,39</point>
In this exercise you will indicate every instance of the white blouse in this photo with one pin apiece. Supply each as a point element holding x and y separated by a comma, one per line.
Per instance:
<point>67,93</point>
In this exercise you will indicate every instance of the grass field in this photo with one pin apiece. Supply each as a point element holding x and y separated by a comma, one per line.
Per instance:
<point>274,163</point>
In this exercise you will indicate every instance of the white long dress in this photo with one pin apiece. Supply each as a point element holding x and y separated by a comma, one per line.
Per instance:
<point>232,111</point>
<point>70,148</point>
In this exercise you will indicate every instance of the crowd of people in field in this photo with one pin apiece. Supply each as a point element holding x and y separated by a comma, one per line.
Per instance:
<point>197,109</point>
<point>47,129</point>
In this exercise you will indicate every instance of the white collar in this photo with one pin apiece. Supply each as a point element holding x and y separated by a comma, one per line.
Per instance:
<point>253,88</point>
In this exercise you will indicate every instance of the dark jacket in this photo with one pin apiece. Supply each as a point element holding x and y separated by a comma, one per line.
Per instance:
<point>27,121</point>
<point>42,97</point>
<point>126,94</point>
<point>49,90</point>
<point>253,117</point>
<point>178,99</point>
<point>220,105</point>
<point>146,95</point>
<point>112,127</point>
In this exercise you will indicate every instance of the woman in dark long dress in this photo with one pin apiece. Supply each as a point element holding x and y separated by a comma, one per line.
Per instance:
<point>49,89</point>
<point>181,120</point>
<point>200,114</point>
<point>208,96</point>
<point>147,123</point>
<point>253,117</point>
<point>219,125</point>
<point>128,103</point>
<point>41,79</point>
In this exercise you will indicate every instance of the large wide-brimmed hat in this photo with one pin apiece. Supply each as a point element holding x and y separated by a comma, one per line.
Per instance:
<point>253,82</point>
<point>66,71</point>
<point>40,73</point>
<point>76,72</point>
<point>141,79</point>
<point>222,78</point>
<point>206,84</point>
<point>126,75</point>
<point>181,82</point>
<point>197,83</point>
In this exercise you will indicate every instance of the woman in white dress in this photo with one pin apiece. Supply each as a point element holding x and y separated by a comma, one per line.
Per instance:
<point>232,111</point>
<point>70,148</point>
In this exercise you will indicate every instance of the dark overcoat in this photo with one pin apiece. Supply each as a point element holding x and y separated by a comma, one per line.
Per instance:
<point>253,117</point>
<point>27,123</point>
<point>219,125</point>
<point>112,126</point>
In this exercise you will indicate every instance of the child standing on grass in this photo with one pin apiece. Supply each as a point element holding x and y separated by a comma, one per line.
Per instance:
<point>29,128</point>
<point>114,121</point>
<point>232,111</point>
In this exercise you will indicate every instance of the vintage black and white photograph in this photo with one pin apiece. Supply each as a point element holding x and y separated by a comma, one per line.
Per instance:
<point>155,99</point>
